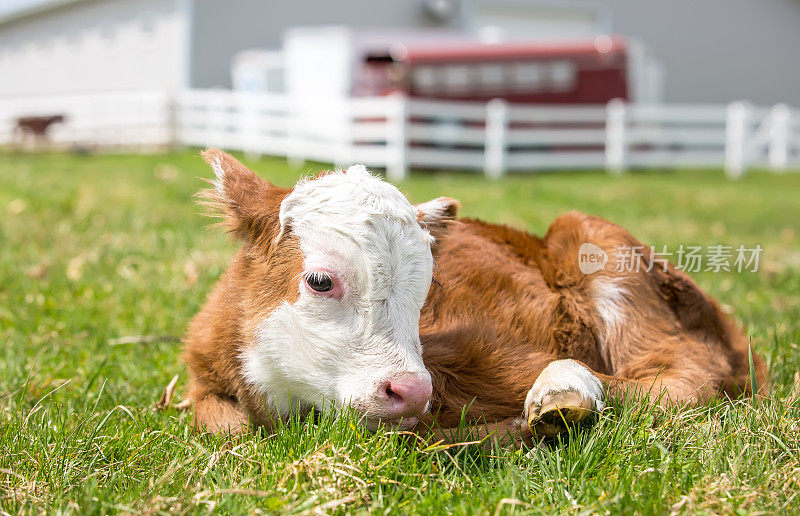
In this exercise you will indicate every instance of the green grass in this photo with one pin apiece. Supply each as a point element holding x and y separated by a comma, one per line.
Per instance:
<point>94,248</point>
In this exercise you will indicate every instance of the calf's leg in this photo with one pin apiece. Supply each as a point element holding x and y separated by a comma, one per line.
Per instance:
<point>565,392</point>
<point>491,377</point>
<point>216,413</point>
<point>657,333</point>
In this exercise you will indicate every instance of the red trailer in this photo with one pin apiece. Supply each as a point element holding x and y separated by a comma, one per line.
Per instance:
<point>578,72</point>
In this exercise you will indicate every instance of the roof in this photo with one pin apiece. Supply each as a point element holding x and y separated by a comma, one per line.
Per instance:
<point>33,8</point>
<point>599,45</point>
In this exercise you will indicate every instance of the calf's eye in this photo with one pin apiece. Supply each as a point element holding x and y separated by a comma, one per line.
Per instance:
<point>319,282</point>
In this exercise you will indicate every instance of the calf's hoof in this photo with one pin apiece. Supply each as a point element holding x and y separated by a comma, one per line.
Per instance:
<point>566,392</point>
<point>557,412</point>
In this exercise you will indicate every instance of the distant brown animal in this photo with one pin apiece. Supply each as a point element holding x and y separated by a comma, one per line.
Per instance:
<point>343,294</point>
<point>33,130</point>
<point>38,125</point>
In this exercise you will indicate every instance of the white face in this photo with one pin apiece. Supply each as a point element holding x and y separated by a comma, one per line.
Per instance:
<point>354,331</point>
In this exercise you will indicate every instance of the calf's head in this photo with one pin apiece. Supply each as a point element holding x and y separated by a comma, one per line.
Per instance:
<point>330,281</point>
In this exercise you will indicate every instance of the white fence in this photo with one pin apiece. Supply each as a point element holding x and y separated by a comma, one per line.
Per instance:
<point>397,133</point>
<point>134,119</point>
<point>341,132</point>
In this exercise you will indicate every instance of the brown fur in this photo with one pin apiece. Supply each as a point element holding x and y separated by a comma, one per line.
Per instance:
<point>260,277</point>
<point>510,303</point>
<point>504,305</point>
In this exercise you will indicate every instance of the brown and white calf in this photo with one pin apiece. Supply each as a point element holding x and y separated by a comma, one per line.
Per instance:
<point>343,293</point>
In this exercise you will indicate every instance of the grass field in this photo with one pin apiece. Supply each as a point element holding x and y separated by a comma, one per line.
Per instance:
<point>94,249</point>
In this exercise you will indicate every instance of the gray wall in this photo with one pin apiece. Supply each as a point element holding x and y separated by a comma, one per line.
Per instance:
<point>719,50</point>
<point>254,24</point>
<point>712,50</point>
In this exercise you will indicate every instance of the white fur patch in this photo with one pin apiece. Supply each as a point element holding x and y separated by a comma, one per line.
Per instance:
<point>435,210</point>
<point>327,352</point>
<point>609,300</point>
<point>219,177</point>
<point>562,376</point>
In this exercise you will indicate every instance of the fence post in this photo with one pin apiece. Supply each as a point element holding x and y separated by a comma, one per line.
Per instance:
<point>173,118</point>
<point>215,124</point>
<point>779,120</point>
<point>396,138</point>
<point>294,133</point>
<point>494,150</point>
<point>345,120</point>
<point>736,129</point>
<point>248,123</point>
<point>616,157</point>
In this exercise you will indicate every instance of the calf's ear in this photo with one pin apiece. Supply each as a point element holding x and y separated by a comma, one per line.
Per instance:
<point>248,205</point>
<point>437,216</point>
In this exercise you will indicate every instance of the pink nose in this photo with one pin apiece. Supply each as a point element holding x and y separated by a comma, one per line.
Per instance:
<point>405,395</point>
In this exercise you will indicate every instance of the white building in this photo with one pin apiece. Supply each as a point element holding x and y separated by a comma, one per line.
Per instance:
<point>76,46</point>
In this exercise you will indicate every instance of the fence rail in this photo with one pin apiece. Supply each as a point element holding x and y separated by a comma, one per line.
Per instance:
<point>398,133</point>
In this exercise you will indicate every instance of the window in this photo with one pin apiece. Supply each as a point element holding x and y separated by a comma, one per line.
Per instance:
<point>562,75</point>
<point>544,76</point>
<point>456,78</point>
<point>424,79</point>
<point>492,77</point>
<point>528,76</point>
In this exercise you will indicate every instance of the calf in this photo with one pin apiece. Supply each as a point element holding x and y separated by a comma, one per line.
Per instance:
<point>343,294</point>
